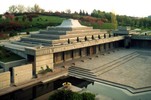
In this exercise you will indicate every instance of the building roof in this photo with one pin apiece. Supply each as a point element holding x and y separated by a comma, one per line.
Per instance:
<point>70,23</point>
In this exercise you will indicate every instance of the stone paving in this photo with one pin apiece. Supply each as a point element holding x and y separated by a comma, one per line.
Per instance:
<point>129,67</point>
<point>135,73</point>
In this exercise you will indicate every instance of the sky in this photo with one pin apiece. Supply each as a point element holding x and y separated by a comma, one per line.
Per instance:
<point>137,8</point>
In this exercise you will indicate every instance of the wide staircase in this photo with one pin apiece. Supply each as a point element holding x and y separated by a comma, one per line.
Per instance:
<point>93,74</point>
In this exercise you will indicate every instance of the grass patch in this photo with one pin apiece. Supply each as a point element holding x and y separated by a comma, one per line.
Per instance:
<point>107,26</point>
<point>12,57</point>
<point>7,56</point>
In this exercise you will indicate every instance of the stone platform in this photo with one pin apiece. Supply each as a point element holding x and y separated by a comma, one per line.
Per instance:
<point>126,68</point>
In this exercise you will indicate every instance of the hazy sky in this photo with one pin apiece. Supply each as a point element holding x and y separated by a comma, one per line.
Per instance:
<point>138,8</point>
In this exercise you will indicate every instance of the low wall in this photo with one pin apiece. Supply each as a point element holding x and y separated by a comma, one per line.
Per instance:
<point>22,73</point>
<point>4,80</point>
<point>8,65</point>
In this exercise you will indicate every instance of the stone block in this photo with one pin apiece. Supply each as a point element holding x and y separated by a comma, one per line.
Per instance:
<point>22,73</point>
<point>4,80</point>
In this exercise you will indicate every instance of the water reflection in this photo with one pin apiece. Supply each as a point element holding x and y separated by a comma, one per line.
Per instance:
<point>115,93</point>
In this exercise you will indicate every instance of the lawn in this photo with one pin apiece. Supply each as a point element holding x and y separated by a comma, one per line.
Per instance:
<point>42,20</point>
<point>107,26</point>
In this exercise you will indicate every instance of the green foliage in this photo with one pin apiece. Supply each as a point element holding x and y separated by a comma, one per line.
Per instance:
<point>44,71</point>
<point>107,26</point>
<point>69,95</point>
<point>88,96</point>
<point>6,56</point>
<point>48,69</point>
<point>11,34</point>
<point>113,20</point>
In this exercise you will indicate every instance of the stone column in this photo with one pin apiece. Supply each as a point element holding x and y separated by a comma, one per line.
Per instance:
<point>83,52</point>
<point>67,55</point>
<point>107,46</point>
<point>58,57</point>
<point>102,47</point>
<point>112,45</point>
<point>76,53</point>
<point>97,49</point>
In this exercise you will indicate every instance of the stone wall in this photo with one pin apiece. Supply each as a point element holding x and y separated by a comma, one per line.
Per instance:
<point>22,74</point>
<point>42,61</point>
<point>4,80</point>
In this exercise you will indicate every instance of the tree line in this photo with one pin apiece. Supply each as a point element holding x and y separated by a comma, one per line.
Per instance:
<point>122,20</point>
<point>22,9</point>
<point>97,18</point>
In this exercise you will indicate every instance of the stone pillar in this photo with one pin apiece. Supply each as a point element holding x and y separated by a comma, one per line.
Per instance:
<point>116,45</point>
<point>76,53</point>
<point>83,52</point>
<point>58,57</point>
<point>92,50</point>
<point>107,46</point>
<point>101,47</point>
<point>127,42</point>
<point>5,80</point>
<point>67,55</point>
<point>112,45</point>
<point>97,49</point>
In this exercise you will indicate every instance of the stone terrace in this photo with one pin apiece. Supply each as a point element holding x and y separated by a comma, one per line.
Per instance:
<point>128,67</point>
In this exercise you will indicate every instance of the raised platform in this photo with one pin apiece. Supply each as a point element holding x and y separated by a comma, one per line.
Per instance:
<point>127,68</point>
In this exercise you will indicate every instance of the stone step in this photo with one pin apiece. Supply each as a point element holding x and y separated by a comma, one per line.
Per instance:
<point>63,36</point>
<point>36,40</point>
<point>52,32</point>
<point>68,28</point>
<point>80,75</point>
<point>108,68</point>
<point>79,68</point>
<point>15,46</point>
<point>72,33</point>
<point>45,36</point>
<point>113,62</point>
<point>24,44</point>
<point>82,72</point>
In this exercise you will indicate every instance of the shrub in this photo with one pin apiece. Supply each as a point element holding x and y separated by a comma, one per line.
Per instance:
<point>3,35</point>
<point>65,95</point>
<point>44,71</point>
<point>69,95</point>
<point>48,69</point>
<point>11,34</point>
<point>88,96</point>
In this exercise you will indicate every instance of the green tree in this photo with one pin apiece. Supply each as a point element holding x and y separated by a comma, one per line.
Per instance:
<point>36,8</point>
<point>12,9</point>
<point>21,8</point>
<point>113,20</point>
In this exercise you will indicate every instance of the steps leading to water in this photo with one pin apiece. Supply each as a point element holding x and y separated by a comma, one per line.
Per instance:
<point>93,74</point>
<point>113,64</point>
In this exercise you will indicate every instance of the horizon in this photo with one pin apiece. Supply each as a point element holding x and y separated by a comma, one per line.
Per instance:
<point>122,7</point>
